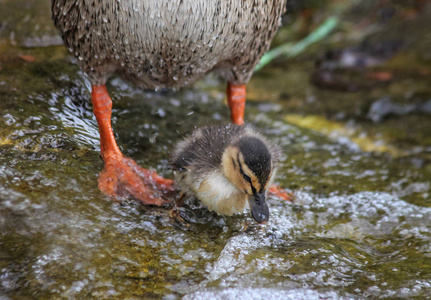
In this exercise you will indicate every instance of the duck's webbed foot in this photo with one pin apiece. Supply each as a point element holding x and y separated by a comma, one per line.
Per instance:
<point>122,177</point>
<point>278,192</point>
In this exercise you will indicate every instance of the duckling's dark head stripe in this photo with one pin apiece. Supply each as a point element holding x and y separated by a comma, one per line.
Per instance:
<point>257,157</point>
<point>246,177</point>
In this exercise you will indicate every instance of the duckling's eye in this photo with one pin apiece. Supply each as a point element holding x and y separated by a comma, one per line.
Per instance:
<point>246,178</point>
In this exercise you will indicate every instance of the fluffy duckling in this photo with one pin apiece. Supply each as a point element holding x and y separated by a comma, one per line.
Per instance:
<point>226,167</point>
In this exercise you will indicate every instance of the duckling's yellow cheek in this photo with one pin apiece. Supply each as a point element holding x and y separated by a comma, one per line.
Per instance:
<point>246,188</point>
<point>239,183</point>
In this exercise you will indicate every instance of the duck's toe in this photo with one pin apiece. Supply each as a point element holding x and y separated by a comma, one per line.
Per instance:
<point>278,192</point>
<point>124,178</point>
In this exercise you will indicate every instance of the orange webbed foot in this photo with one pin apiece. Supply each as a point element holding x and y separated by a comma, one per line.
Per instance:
<point>122,177</point>
<point>281,193</point>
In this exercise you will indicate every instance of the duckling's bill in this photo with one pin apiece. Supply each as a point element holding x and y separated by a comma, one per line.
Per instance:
<point>259,207</point>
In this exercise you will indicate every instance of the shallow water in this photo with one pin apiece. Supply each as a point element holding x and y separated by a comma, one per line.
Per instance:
<point>360,225</point>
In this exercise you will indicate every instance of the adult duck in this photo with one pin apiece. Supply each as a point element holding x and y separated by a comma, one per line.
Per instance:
<point>162,44</point>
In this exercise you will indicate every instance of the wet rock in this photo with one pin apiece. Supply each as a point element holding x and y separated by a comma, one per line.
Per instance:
<point>386,106</point>
<point>261,293</point>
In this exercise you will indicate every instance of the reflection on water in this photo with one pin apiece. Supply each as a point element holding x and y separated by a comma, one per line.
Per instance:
<point>360,225</point>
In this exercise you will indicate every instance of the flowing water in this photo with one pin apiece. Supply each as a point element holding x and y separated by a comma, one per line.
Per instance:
<point>358,163</point>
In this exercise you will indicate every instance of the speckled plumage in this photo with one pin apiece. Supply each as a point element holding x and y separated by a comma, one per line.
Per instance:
<point>167,43</point>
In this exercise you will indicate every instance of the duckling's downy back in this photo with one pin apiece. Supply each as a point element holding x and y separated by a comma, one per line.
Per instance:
<point>205,147</point>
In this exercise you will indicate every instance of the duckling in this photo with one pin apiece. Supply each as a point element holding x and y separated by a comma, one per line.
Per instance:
<point>226,167</point>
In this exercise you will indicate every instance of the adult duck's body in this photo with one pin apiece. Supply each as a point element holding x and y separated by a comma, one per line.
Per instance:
<point>158,44</point>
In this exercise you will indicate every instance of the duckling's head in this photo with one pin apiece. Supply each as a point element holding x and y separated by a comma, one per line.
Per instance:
<point>249,165</point>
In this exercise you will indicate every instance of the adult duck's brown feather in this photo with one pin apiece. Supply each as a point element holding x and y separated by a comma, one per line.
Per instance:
<point>167,43</point>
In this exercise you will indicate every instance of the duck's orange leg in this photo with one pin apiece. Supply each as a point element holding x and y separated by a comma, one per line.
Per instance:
<point>236,102</point>
<point>121,175</point>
